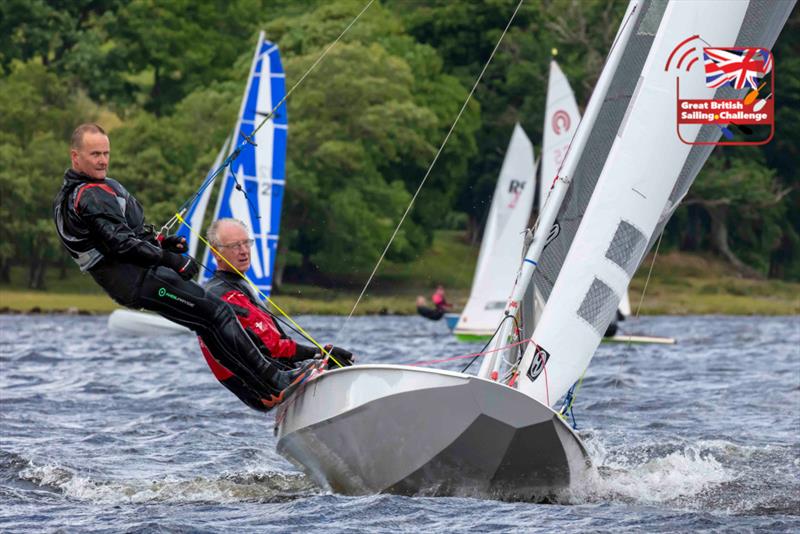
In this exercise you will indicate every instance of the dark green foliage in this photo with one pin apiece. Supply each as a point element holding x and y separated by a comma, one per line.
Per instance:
<point>167,78</point>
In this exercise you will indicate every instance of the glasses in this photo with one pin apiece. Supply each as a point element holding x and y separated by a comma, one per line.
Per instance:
<point>246,243</point>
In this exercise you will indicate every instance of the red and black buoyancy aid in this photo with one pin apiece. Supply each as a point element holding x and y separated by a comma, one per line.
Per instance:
<point>259,324</point>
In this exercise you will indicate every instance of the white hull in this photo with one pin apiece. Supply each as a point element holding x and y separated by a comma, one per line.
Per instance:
<point>143,324</point>
<point>411,431</point>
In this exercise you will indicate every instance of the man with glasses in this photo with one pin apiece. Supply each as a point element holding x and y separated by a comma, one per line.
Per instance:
<point>103,228</point>
<point>233,246</point>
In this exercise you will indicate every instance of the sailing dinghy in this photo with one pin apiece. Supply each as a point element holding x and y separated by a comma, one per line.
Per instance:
<point>410,430</point>
<point>261,172</point>
<point>507,221</point>
<point>498,260</point>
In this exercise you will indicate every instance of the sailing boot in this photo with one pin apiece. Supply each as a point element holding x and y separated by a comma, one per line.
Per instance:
<point>288,382</point>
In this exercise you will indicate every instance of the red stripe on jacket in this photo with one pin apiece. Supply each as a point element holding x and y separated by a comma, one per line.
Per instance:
<point>105,187</point>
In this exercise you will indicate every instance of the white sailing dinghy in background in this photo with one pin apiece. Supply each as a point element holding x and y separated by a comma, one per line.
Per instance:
<point>410,430</point>
<point>261,172</point>
<point>506,224</point>
<point>498,260</point>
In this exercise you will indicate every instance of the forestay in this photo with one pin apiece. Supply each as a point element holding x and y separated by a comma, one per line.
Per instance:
<point>260,168</point>
<point>498,259</point>
<point>631,174</point>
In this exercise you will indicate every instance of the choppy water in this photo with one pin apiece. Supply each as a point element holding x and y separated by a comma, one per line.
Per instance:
<point>135,435</point>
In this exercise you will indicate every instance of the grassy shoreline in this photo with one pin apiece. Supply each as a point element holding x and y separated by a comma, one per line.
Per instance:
<point>681,284</point>
<point>694,296</point>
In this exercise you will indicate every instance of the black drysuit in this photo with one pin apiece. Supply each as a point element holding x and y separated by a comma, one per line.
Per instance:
<point>103,228</point>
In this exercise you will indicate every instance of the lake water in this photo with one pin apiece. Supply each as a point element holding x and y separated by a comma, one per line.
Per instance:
<point>107,434</point>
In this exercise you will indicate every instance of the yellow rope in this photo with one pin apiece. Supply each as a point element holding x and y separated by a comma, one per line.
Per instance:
<point>265,297</point>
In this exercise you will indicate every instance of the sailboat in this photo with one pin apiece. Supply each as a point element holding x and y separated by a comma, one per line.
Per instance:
<point>502,240</point>
<point>411,430</point>
<point>260,172</point>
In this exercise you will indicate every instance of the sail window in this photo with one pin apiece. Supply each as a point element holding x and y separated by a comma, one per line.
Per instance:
<point>627,247</point>
<point>599,306</point>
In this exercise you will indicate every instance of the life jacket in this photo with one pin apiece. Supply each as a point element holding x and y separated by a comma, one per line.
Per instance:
<point>252,314</point>
<point>116,211</point>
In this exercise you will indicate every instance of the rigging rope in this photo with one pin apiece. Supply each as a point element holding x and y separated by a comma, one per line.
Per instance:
<point>423,362</point>
<point>505,318</point>
<point>430,168</point>
<point>649,272</point>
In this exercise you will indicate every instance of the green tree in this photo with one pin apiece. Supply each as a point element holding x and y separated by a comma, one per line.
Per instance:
<point>38,117</point>
<point>163,160</point>
<point>363,129</point>
<point>739,193</point>
<point>513,88</point>
<point>180,44</point>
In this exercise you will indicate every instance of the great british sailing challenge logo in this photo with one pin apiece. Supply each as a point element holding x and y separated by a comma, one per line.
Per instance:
<point>748,117</point>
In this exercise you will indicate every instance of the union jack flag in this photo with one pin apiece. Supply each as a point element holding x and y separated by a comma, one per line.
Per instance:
<point>741,67</point>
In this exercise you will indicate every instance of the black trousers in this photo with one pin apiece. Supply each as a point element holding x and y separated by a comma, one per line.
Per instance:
<point>430,313</point>
<point>163,291</point>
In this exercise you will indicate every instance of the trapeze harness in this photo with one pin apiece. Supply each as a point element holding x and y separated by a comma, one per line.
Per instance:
<point>103,228</point>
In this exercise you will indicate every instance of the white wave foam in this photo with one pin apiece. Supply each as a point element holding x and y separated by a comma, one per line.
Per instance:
<point>228,488</point>
<point>680,474</point>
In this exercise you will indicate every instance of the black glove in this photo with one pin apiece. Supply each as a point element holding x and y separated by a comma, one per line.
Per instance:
<point>344,357</point>
<point>303,353</point>
<point>183,265</point>
<point>174,243</point>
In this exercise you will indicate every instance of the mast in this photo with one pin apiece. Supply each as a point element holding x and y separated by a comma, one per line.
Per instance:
<point>492,362</point>
<point>637,170</point>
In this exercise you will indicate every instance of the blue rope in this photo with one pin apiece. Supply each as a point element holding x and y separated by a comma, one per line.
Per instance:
<point>566,407</point>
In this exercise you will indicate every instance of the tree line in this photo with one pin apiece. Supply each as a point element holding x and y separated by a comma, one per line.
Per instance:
<point>166,78</point>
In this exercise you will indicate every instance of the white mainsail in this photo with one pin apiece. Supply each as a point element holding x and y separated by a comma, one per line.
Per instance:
<point>627,180</point>
<point>561,119</point>
<point>498,259</point>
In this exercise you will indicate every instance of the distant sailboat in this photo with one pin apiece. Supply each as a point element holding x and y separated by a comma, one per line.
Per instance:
<point>412,430</point>
<point>260,170</point>
<point>498,260</point>
<point>489,288</point>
